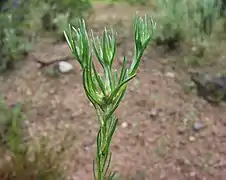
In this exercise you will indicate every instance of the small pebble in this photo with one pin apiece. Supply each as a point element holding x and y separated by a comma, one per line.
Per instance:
<point>192,138</point>
<point>153,113</point>
<point>124,125</point>
<point>65,67</point>
<point>198,126</point>
<point>170,74</point>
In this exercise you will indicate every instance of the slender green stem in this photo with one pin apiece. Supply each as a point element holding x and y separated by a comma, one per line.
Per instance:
<point>105,134</point>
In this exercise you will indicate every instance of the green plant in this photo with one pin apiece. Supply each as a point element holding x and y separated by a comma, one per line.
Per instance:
<point>54,16</point>
<point>11,126</point>
<point>106,91</point>
<point>27,160</point>
<point>57,18</point>
<point>209,12</point>
<point>13,45</point>
<point>35,161</point>
<point>21,25</point>
<point>185,20</point>
<point>173,18</point>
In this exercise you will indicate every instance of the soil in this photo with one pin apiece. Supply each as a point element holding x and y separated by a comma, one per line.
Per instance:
<point>154,140</point>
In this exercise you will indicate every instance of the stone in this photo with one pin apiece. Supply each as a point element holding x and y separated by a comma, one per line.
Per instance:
<point>124,125</point>
<point>65,67</point>
<point>153,113</point>
<point>192,138</point>
<point>198,126</point>
<point>170,75</point>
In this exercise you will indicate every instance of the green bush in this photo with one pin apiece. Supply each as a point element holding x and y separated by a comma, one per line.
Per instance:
<point>24,159</point>
<point>36,161</point>
<point>20,26</point>
<point>184,19</point>
<point>13,45</point>
<point>209,11</point>
<point>54,16</point>
<point>11,126</point>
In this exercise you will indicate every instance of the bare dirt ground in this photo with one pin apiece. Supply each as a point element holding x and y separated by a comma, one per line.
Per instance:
<point>154,140</point>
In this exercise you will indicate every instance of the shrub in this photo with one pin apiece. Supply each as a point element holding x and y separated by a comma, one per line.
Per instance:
<point>11,126</point>
<point>183,19</point>
<point>53,16</point>
<point>13,45</point>
<point>30,159</point>
<point>209,11</point>
<point>21,24</point>
<point>33,162</point>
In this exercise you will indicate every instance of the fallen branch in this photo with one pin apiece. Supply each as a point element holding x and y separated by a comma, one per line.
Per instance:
<point>44,64</point>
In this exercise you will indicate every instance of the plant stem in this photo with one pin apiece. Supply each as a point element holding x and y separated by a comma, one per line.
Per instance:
<point>104,138</point>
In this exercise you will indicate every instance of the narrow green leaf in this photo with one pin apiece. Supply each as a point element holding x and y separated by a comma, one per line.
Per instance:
<point>117,102</point>
<point>76,49</point>
<point>94,172</point>
<point>98,154</point>
<point>71,43</point>
<point>110,132</point>
<point>112,128</point>
<point>116,90</point>
<point>135,66</point>
<point>90,94</point>
<point>109,75</point>
<point>111,176</point>
<point>68,41</point>
<point>115,79</point>
<point>113,47</point>
<point>108,165</point>
<point>123,70</point>
<point>99,80</point>
<point>98,51</point>
<point>92,88</point>
<point>105,47</point>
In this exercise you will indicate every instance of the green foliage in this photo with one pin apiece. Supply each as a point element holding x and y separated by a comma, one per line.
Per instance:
<point>106,91</point>
<point>185,19</point>
<point>36,161</point>
<point>11,123</point>
<point>209,11</point>
<point>26,160</point>
<point>20,26</point>
<point>13,45</point>
<point>173,14</point>
<point>54,16</point>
